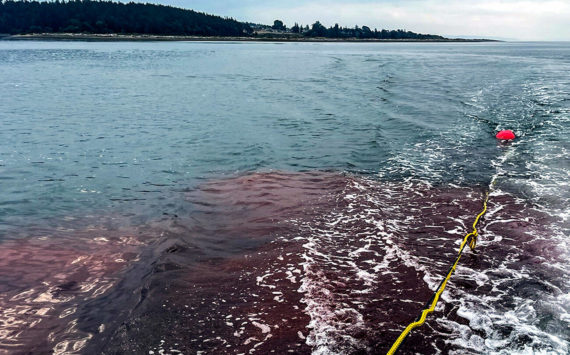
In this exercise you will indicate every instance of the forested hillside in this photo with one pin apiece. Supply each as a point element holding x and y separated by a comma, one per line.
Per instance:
<point>111,17</point>
<point>107,17</point>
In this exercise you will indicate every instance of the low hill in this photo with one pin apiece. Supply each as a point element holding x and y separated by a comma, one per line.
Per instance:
<point>108,17</point>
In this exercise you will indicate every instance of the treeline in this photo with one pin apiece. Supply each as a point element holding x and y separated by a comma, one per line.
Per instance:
<point>89,16</point>
<point>105,16</point>
<point>318,30</point>
<point>364,32</point>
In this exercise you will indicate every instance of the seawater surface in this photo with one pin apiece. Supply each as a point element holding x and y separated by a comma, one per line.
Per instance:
<point>196,197</point>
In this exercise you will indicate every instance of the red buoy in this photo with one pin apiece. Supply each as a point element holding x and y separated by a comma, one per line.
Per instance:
<point>506,134</point>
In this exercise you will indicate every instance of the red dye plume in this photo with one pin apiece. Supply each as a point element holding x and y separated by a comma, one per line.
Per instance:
<point>506,134</point>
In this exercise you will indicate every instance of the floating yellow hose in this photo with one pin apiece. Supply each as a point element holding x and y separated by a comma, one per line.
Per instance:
<point>472,239</point>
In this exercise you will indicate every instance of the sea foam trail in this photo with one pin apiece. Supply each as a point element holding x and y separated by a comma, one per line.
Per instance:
<point>359,253</point>
<point>524,307</point>
<point>369,255</point>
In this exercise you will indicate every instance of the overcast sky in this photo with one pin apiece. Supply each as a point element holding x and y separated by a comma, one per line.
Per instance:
<point>520,20</point>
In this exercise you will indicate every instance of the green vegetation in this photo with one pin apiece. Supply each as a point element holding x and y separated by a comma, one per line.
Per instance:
<point>89,16</point>
<point>318,30</point>
<point>107,17</point>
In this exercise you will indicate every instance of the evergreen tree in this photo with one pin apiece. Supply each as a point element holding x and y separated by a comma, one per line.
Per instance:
<point>317,30</point>
<point>296,28</point>
<point>278,25</point>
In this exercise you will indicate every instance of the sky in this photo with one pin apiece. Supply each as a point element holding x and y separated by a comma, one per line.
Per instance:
<point>527,20</point>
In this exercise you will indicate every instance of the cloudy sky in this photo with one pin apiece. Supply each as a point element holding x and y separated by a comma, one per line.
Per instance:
<point>504,19</point>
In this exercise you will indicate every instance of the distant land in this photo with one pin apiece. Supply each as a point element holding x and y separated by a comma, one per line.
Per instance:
<point>492,38</point>
<point>108,20</point>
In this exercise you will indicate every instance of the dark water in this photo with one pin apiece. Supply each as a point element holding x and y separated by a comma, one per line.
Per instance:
<point>304,198</point>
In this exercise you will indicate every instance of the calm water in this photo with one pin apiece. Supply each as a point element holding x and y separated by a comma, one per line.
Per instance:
<point>303,197</point>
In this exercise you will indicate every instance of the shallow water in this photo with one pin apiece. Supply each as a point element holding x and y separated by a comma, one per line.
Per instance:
<point>302,197</point>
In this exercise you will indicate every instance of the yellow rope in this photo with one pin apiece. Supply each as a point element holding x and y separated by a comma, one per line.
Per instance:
<point>472,239</point>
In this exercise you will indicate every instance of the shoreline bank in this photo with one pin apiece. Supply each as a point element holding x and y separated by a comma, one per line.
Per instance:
<point>149,38</point>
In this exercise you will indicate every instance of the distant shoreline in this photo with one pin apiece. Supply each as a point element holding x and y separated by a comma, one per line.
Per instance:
<point>149,38</point>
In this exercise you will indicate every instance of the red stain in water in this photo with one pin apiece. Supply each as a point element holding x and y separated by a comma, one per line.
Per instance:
<point>289,262</point>
<point>44,282</point>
